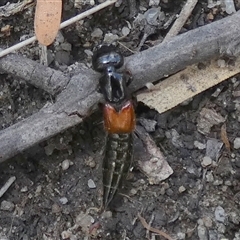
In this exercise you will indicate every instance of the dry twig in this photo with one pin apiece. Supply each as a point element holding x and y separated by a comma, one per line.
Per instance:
<point>180,21</point>
<point>7,185</point>
<point>224,137</point>
<point>48,79</point>
<point>159,232</point>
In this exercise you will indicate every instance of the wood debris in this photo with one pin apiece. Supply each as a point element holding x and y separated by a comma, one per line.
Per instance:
<point>13,8</point>
<point>152,162</point>
<point>186,84</point>
<point>7,185</point>
<point>207,119</point>
<point>224,137</point>
<point>180,21</point>
<point>151,229</point>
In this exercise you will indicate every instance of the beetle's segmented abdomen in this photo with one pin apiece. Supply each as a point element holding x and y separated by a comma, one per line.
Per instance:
<point>116,163</point>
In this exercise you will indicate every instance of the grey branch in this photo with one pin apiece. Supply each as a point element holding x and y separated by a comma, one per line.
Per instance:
<point>208,42</point>
<point>48,79</point>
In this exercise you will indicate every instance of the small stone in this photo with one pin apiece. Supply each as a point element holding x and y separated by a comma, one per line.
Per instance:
<point>221,228</point>
<point>66,234</point>
<point>63,200</point>
<point>90,162</point>
<point>202,232</point>
<point>38,189</point>
<point>207,221</point>
<point>220,214</point>
<point>237,236</point>
<point>56,208</point>
<point>199,145</point>
<point>59,37</point>
<point>66,46</point>
<point>7,206</point>
<point>228,183</point>
<point>206,161</point>
<point>92,2</point>
<point>213,235</point>
<point>107,214</point>
<point>169,192</point>
<point>200,221</point>
<point>97,33</point>
<point>65,164</point>
<point>30,196</point>
<point>148,124</point>
<point>209,177</point>
<point>125,31</point>
<point>213,148</point>
<point>24,189</point>
<point>217,92</point>
<point>181,235</point>
<point>236,143</point>
<point>210,16</point>
<point>91,184</point>
<point>133,192</point>
<point>234,217</point>
<point>218,182</point>
<point>88,52</point>
<point>49,149</point>
<point>207,119</point>
<point>221,63</point>
<point>109,38</point>
<point>214,164</point>
<point>3,236</point>
<point>230,7</point>
<point>151,16</point>
<point>154,3</point>
<point>175,138</point>
<point>62,57</point>
<point>182,189</point>
<point>224,188</point>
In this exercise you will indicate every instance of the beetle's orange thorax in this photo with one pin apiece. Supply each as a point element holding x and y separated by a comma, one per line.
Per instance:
<point>122,121</point>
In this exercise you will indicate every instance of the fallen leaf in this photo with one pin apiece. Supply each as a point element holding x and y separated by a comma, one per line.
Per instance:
<point>224,137</point>
<point>47,20</point>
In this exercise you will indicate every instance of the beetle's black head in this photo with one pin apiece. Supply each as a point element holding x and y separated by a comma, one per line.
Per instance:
<point>105,56</point>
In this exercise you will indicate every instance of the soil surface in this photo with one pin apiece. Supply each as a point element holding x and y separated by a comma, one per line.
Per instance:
<point>57,193</point>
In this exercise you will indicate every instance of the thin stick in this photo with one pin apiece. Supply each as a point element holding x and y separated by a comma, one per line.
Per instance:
<point>159,232</point>
<point>180,21</point>
<point>63,25</point>
<point>7,185</point>
<point>17,46</point>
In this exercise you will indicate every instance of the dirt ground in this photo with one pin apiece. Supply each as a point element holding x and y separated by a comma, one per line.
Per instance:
<point>58,188</point>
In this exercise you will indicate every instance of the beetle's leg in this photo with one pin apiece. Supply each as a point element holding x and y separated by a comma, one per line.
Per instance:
<point>129,77</point>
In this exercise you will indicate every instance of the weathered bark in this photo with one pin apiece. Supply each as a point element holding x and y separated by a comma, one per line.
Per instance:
<point>50,80</point>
